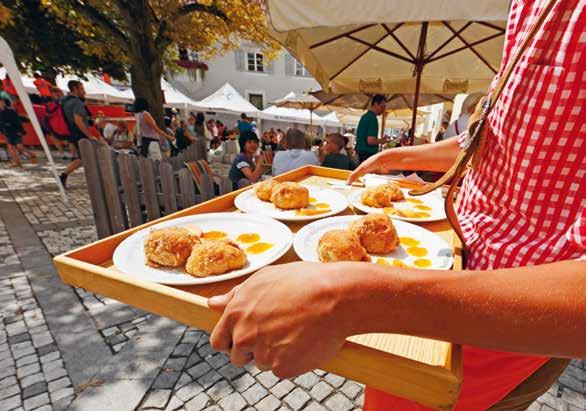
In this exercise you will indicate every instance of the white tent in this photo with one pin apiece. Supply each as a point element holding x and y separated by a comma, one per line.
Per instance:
<point>27,81</point>
<point>173,97</point>
<point>7,60</point>
<point>95,88</point>
<point>228,101</point>
<point>290,115</point>
<point>331,120</point>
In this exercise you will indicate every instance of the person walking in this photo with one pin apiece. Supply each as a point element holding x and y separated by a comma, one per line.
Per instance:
<point>11,127</point>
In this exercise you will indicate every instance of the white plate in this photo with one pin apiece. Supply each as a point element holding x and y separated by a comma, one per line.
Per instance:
<point>250,203</point>
<point>129,255</point>
<point>433,200</point>
<point>438,251</point>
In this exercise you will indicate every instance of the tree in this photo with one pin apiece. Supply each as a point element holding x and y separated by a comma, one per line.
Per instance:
<point>145,34</point>
<point>40,41</point>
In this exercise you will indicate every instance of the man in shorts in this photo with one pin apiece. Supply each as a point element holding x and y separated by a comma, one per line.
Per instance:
<point>11,127</point>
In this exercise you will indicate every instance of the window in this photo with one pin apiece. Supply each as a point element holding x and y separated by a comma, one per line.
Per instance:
<point>255,62</point>
<point>300,70</point>
<point>256,100</point>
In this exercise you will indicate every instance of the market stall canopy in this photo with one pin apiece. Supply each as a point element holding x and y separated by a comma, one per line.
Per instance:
<point>27,81</point>
<point>95,88</point>
<point>331,120</point>
<point>173,97</point>
<point>227,100</point>
<point>393,46</point>
<point>362,100</point>
<point>299,101</point>
<point>290,115</point>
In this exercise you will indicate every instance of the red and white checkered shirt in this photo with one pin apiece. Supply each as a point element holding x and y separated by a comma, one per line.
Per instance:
<point>525,204</point>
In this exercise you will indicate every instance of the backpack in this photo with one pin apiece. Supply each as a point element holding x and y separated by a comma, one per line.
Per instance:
<point>56,121</point>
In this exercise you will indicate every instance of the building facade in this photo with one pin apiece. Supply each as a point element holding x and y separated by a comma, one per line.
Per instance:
<point>248,71</point>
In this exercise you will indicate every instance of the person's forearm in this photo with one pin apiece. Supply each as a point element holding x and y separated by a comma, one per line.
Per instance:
<point>427,157</point>
<point>83,127</point>
<point>537,310</point>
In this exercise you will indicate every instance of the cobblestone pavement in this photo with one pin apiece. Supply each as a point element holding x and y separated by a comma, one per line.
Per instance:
<point>37,372</point>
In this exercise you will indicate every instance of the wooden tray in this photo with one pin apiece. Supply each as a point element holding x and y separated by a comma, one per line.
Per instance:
<point>423,370</point>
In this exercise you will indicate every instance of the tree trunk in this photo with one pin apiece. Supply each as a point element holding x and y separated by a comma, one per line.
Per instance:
<point>146,60</point>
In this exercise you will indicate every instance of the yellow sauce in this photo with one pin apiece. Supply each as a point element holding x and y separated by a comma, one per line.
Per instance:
<point>408,241</point>
<point>389,210</point>
<point>400,264</point>
<point>258,248</point>
<point>413,214</point>
<point>422,263</point>
<point>309,211</point>
<point>214,235</point>
<point>312,199</point>
<point>423,207</point>
<point>382,261</point>
<point>321,205</point>
<point>248,238</point>
<point>417,251</point>
<point>422,215</point>
<point>414,201</point>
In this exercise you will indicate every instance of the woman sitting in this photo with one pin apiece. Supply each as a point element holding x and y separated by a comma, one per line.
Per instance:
<point>296,154</point>
<point>247,167</point>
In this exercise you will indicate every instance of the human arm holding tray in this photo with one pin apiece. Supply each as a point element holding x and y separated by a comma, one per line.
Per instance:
<point>290,327</point>
<point>427,157</point>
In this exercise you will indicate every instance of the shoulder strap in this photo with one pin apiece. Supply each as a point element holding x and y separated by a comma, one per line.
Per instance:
<point>475,139</point>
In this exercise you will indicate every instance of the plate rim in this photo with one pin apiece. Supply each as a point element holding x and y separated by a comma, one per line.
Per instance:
<point>240,196</point>
<point>209,279</point>
<point>355,217</point>
<point>358,204</point>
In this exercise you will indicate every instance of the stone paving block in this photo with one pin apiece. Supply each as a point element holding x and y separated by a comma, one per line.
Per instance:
<point>252,369</point>
<point>255,393</point>
<point>339,402</point>
<point>314,406</point>
<point>205,350</point>
<point>7,362</point>
<point>28,370</point>
<point>198,370</point>
<point>8,381</point>
<point>174,404</point>
<point>220,390</point>
<point>197,403</point>
<point>242,383</point>
<point>34,390</point>
<point>35,402</point>
<point>15,339</point>
<point>297,398</point>
<point>12,402</point>
<point>270,403</point>
<point>351,389</point>
<point>183,380</point>
<point>568,380</point>
<point>175,364</point>
<point>9,391</point>
<point>214,408</point>
<point>46,349</point>
<point>335,380</point>
<point>194,358</point>
<point>233,402</point>
<point>23,352</point>
<point>231,372</point>
<point>209,379</point>
<point>54,374</point>
<point>48,366</point>
<point>307,380</point>
<point>282,388</point>
<point>573,398</point>
<point>267,378</point>
<point>166,379</point>
<point>191,337</point>
<point>189,391</point>
<point>360,400</point>
<point>60,383</point>
<point>29,359</point>
<point>31,379</point>
<point>50,357</point>
<point>182,350</point>
<point>156,399</point>
<point>217,361</point>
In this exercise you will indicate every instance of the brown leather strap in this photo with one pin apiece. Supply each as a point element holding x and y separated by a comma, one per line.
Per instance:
<point>476,139</point>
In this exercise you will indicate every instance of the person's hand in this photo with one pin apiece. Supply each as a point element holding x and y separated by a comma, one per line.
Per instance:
<point>375,164</point>
<point>283,317</point>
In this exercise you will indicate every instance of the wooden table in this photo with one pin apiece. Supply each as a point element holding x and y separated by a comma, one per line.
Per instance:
<point>424,370</point>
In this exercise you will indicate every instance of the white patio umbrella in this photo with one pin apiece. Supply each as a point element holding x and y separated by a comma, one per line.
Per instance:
<point>7,60</point>
<point>300,101</point>
<point>393,46</point>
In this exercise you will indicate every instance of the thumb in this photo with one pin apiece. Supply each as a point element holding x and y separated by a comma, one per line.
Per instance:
<point>219,302</point>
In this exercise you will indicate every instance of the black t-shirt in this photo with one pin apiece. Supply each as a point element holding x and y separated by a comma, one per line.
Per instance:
<point>72,105</point>
<point>181,141</point>
<point>339,161</point>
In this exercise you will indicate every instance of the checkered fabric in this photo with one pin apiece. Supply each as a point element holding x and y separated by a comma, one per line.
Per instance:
<point>525,203</point>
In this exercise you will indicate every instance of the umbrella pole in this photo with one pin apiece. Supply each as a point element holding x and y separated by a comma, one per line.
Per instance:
<point>419,69</point>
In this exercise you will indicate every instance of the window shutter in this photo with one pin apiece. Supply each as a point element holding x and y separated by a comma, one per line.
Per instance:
<point>289,65</point>
<point>239,56</point>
